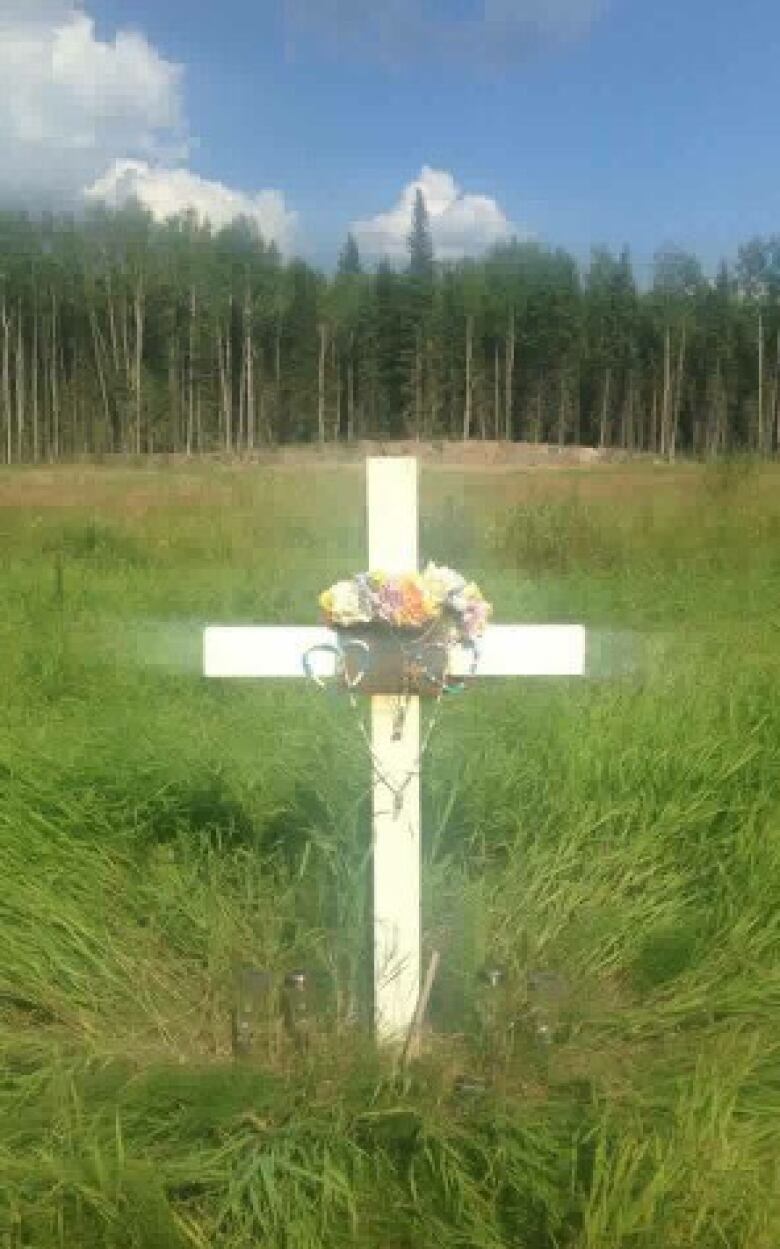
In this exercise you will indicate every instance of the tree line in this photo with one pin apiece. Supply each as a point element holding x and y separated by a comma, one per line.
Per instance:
<point>119,334</point>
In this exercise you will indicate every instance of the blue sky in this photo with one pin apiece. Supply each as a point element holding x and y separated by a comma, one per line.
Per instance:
<point>619,122</point>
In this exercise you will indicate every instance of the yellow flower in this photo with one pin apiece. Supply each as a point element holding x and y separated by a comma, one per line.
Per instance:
<point>342,604</point>
<point>471,592</point>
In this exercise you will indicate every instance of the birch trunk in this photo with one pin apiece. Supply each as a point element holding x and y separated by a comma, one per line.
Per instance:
<point>678,387</point>
<point>351,389</point>
<point>604,419</point>
<point>138,353</point>
<point>20,385</point>
<point>496,394</point>
<point>263,434</point>
<point>249,357</point>
<point>467,400</point>
<point>278,376</point>
<point>191,375</point>
<point>562,406</point>
<point>241,434</point>
<point>509,362</point>
<point>335,364</point>
<point>760,429</point>
<point>224,401</point>
<point>666,404</point>
<point>229,376</point>
<point>98,354</point>
<point>112,325</point>
<point>775,410</point>
<point>6,383</point>
<point>418,387</point>
<point>34,365</point>
<point>54,444</point>
<point>323,336</point>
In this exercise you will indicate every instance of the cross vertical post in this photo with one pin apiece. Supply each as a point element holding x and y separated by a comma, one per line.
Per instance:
<point>391,488</point>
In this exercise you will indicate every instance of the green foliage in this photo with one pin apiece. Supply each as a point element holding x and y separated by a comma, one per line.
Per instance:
<point>177,338</point>
<point>619,836</point>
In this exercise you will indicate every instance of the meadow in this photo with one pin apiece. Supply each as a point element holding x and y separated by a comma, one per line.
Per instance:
<point>158,830</point>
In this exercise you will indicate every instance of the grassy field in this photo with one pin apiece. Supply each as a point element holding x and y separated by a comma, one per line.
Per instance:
<point>156,831</point>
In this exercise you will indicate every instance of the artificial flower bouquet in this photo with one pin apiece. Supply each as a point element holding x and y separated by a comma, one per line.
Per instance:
<point>438,601</point>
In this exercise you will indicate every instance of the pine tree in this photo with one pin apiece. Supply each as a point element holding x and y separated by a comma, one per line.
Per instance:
<point>349,259</point>
<point>420,241</point>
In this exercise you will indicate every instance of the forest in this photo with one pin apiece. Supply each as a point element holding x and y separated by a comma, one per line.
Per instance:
<point>120,334</point>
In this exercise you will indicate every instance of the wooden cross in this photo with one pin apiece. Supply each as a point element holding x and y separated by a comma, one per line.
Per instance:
<point>504,650</point>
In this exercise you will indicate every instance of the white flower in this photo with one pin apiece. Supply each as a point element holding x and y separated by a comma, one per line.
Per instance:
<point>346,605</point>
<point>441,582</point>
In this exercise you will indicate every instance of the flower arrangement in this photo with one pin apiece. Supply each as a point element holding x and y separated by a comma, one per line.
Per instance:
<point>436,596</point>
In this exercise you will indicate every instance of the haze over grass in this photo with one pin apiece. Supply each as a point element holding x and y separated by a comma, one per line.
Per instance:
<point>156,829</point>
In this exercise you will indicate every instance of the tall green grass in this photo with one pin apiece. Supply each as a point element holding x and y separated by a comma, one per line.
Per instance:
<point>157,831</point>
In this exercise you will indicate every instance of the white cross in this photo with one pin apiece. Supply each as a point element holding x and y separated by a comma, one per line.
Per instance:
<point>504,650</point>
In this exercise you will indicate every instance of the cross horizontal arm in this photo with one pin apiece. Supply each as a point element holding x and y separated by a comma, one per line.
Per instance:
<point>505,650</point>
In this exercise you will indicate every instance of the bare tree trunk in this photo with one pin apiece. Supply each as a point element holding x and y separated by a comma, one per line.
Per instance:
<point>723,413</point>
<point>775,409</point>
<point>224,390</point>
<point>480,389</point>
<point>127,374</point>
<point>174,395</point>
<point>139,347</point>
<point>263,434</point>
<point>604,419</point>
<point>760,430</point>
<point>34,363</point>
<point>20,384</point>
<point>418,386</point>
<point>576,412</point>
<point>666,405</point>
<point>112,324</point>
<point>496,395</point>
<point>249,358</point>
<point>434,400</point>
<point>278,379</point>
<point>323,335</point>
<point>229,377</point>
<point>191,375</point>
<point>538,415</point>
<point>6,383</point>
<point>509,364</point>
<point>99,368</point>
<point>627,416</point>
<point>562,406</point>
<point>241,433</point>
<point>716,408</point>
<point>631,413</point>
<point>677,404</point>
<point>467,401</point>
<point>335,364</point>
<point>54,445</point>
<point>351,389</point>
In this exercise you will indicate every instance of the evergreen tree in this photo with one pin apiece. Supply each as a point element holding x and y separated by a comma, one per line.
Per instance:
<point>121,334</point>
<point>420,241</point>
<point>349,259</point>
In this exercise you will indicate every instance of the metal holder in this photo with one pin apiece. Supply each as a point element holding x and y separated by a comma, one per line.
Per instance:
<point>376,659</point>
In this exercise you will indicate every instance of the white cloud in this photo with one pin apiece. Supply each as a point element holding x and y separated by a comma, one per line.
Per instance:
<point>492,31</point>
<point>71,101</point>
<point>461,224</point>
<point>166,191</point>
<point>82,116</point>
